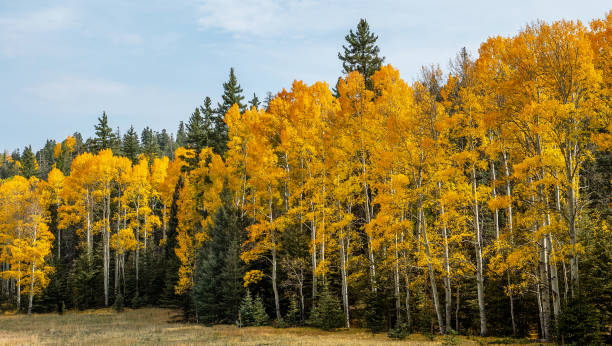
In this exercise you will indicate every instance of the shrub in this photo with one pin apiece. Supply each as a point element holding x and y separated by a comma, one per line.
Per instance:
<point>579,324</point>
<point>327,312</point>
<point>118,306</point>
<point>400,332</point>
<point>260,317</point>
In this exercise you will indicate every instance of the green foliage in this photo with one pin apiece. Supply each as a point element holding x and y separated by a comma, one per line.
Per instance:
<point>400,332</point>
<point>579,324</point>
<point>232,94</point>
<point>450,338</point>
<point>219,271</point>
<point>150,147</point>
<point>252,311</point>
<point>254,102</point>
<point>375,312</point>
<point>84,282</point>
<point>29,166</point>
<point>181,136</point>
<point>131,145</point>
<point>361,53</point>
<point>118,306</point>
<point>327,311</point>
<point>105,138</point>
<point>260,317</point>
<point>293,316</point>
<point>198,131</point>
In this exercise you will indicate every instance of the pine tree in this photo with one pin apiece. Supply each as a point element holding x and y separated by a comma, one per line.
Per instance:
<point>165,142</point>
<point>105,138</point>
<point>29,165</point>
<point>254,102</point>
<point>131,145</point>
<point>327,313</point>
<point>232,94</point>
<point>362,53</point>
<point>197,132</point>
<point>246,310</point>
<point>150,147</point>
<point>181,137</point>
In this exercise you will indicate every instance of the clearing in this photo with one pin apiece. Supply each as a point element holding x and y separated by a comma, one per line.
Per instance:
<point>156,326</point>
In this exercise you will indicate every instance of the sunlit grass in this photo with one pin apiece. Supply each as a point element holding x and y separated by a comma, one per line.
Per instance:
<point>156,326</point>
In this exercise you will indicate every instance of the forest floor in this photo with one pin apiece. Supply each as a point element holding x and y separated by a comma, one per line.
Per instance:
<point>157,326</point>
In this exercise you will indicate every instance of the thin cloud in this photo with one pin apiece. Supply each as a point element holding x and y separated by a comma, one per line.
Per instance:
<point>19,32</point>
<point>269,18</point>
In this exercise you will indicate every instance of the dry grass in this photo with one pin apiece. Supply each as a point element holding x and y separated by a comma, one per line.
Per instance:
<point>155,326</point>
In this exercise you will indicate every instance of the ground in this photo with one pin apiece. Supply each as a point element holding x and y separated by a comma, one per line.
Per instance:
<point>156,326</point>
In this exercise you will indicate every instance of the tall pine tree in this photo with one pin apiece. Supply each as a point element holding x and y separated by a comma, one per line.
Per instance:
<point>232,94</point>
<point>131,144</point>
<point>361,54</point>
<point>181,136</point>
<point>29,165</point>
<point>105,138</point>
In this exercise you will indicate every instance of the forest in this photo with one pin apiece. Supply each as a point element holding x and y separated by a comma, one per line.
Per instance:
<point>474,201</point>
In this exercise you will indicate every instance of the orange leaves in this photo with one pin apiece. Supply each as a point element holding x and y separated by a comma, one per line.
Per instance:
<point>252,277</point>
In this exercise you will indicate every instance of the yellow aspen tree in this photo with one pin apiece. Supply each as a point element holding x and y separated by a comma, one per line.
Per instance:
<point>123,174</point>
<point>265,200</point>
<point>464,101</point>
<point>105,174</point>
<point>78,201</point>
<point>356,100</point>
<point>30,240</point>
<point>159,174</point>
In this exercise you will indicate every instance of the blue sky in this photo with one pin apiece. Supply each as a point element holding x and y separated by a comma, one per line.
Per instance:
<point>151,62</point>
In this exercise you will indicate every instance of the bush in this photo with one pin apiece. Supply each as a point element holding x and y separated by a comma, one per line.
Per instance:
<point>293,317</point>
<point>579,324</point>
<point>400,332</point>
<point>450,338</point>
<point>327,312</point>
<point>245,317</point>
<point>375,312</point>
<point>260,317</point>
<point>118,306</point>
<point>252,312</point>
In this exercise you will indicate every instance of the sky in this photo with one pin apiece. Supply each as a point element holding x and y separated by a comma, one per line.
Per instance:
<point>150,63</point>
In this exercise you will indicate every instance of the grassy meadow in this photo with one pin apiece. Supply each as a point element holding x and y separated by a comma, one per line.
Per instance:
<point>159,326</point>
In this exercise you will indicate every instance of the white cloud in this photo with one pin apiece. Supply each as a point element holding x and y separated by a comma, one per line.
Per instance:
<point>20,32</point>
<point>269,18</point>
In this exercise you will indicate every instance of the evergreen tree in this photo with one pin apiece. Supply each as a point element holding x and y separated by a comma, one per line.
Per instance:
<point>232,94</point>
<point>218,279</point>
<point>246,310</point>
<point>150,147</point>
<point>254,102</point>
<point>267,100</point>
<point>165,143</point>
<point>361,54</point>
<point>181,137</point>
<point>105,138</point>
<point>198,132</point>
<point>131,145</point>
<point>45,159</point>
<point>260,316</point>
<point>327,312</point>
<point>29,165</point>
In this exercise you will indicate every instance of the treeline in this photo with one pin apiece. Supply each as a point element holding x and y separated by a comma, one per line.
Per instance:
<point>476,203</point>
